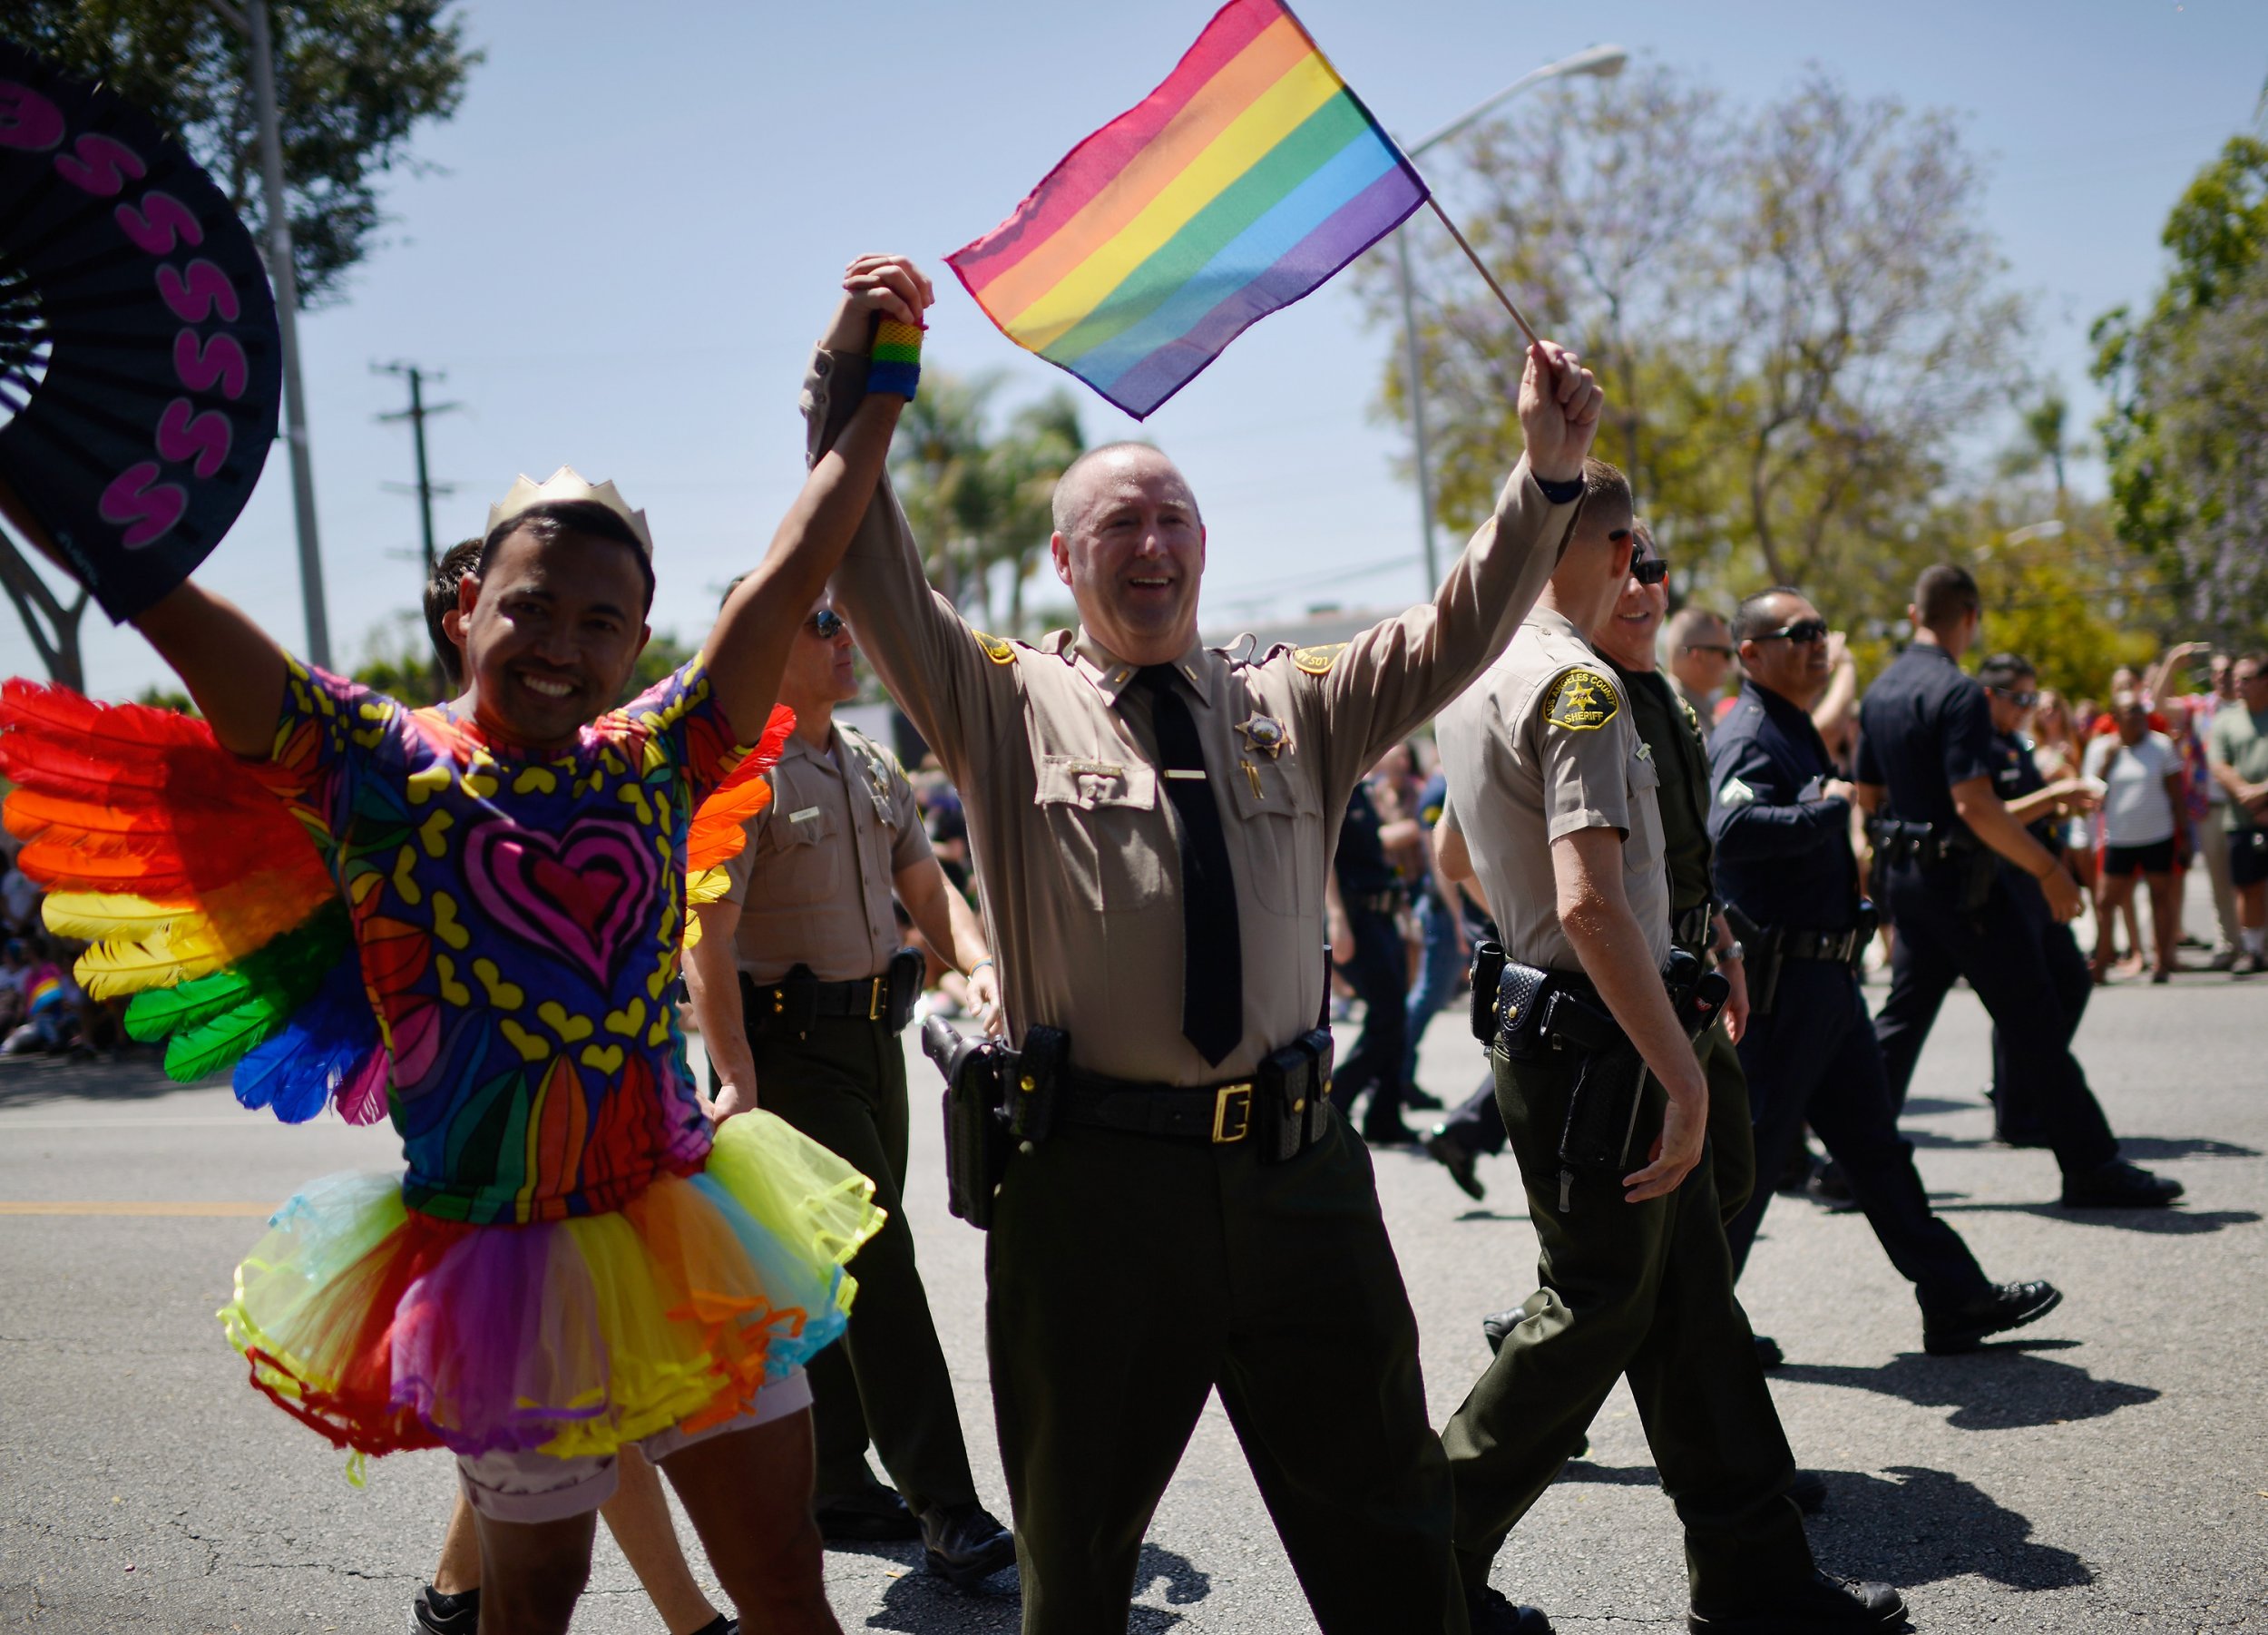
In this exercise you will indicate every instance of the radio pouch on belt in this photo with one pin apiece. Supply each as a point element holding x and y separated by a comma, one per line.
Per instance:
<point>905,970</point>
<point>1488,961</point>
<point>1035,1083</point>
<point>977,1142</point>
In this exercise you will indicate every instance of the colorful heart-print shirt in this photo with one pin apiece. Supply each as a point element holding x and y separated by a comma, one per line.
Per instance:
<point>518,919</point>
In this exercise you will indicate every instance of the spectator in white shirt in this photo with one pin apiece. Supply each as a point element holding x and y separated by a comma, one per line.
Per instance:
<point>2142,823</point>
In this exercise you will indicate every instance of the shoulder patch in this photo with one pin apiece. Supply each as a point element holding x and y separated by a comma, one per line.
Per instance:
<point>1582,700</point>
<point>997,649</point>
<point>1317,660</point>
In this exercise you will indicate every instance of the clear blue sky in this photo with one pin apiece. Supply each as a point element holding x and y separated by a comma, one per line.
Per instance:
<point>641,212</point>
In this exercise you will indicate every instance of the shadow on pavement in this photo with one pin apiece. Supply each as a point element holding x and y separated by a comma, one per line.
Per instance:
<point>38,1081</point>
<point>1927,1525</point>
<point>2158,1148</point>
<point>1923,1107</point>
<point>1924,1526</point>
<point>2168,1223</point>
<point>2000,1387</point>
<point>921,1602</point>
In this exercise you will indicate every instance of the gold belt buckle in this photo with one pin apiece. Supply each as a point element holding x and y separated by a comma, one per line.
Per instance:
<point>877,991</point>
<point>1232,1113</point>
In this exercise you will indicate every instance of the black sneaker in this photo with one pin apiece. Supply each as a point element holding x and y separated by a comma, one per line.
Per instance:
<point>433,1613</point>
<point>2118,1185</point>
<point>872,1514</point>
<point>2002,1307</point>
<point>964,1545</point>
<point>1463,1164</point>
<point>1813,1606</point>
<point>1492,1612</point>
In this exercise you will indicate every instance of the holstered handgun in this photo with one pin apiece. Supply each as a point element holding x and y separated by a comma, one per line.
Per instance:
<point>905,970</point>
<point>1761,947</point>
<point>977,1140</point>
<point>1602,1113</point>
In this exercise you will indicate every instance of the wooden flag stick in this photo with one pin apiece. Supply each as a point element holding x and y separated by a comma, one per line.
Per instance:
<point>1481,267</point>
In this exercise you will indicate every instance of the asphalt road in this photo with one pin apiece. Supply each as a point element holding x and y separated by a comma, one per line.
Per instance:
<point>2107,1471</point>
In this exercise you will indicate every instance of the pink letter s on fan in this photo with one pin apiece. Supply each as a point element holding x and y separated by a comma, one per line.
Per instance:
<point>28,120</point>
<point>185,435</point>
<point>147,507</point>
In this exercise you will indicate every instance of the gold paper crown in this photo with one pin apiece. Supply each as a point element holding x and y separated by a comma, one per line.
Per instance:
<point>564,485</point>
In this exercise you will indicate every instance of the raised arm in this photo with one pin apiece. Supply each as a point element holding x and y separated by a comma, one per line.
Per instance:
<point>747,650</point>
<point>231,667</point>
<point>1399,673</point>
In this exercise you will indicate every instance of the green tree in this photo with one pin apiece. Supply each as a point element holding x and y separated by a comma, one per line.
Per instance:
<point>977,495</point>
<point>1797,321</point>
<point>2186,434</point>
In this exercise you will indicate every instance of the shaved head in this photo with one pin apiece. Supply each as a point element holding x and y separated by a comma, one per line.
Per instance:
<point>1075,489</point>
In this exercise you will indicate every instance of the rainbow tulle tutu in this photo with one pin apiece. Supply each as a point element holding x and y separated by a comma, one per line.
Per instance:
<point>386,1329</point>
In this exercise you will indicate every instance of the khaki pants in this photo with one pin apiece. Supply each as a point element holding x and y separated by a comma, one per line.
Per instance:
<point>2213,843</point>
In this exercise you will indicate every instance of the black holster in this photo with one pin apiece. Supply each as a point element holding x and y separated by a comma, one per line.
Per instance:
<point>1764,956</point>
<point>997,1101</point>
<point>905,970</point>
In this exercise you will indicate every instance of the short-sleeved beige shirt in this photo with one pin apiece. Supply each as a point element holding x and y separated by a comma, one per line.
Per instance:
<point>1544,746</point>
<point>814,881</point>
<point>1075,839</point>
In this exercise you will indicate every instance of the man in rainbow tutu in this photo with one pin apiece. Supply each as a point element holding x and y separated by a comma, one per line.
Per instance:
<point>575,1260</point>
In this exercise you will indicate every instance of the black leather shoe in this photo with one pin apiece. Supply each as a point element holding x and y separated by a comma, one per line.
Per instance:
<point>1809,1489</point>
<point>1829,1189</point>
<point>1420,1100</point>
<point>2118,1185</point>
<point>1497,1325</point>
<point>1493,1613</point>
<point>2002,1307</point>
<point>1463,1164</point>
<point>966,1544</point>
<point>872,1514</point>
<point>1768,1353</point>
<point>1388,1132</point>
<point>1812,1606</point>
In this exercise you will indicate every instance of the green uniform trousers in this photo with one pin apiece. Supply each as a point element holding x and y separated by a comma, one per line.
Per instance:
<point>844,1086</point>
<point>1639,1289</point>
<point>1129,1278</point>
<point>1732,1159</point>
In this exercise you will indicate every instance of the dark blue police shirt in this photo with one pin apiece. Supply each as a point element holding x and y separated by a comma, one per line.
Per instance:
<point>1923,727</point>
<point>1361,861</point>
<point>1782,852</point>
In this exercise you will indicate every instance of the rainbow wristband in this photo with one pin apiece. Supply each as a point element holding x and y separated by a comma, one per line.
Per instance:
<point>894,361</point>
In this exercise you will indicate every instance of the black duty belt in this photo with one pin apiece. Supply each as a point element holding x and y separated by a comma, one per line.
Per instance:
<point>1833,947</point>
<point>1213,1113</point>
<point>1377,902</point>
<point>868,998</point>
<point>1927,844</point>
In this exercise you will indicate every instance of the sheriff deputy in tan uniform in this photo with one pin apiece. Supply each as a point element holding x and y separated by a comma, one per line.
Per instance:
<point>1152,821</point>
<point>801,991</point>
<point>1553,792</point>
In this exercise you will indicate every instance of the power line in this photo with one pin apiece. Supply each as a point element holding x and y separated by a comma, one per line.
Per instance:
<point>416,414</point>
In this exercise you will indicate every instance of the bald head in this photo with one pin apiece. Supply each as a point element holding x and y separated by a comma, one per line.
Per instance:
<point>1096,468</point>
<point>1129,544</point>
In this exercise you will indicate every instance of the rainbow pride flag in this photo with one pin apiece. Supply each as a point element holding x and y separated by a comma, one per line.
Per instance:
<point>1240,184</point>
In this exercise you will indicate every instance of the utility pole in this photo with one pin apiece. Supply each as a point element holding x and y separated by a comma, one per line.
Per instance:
<point>251,17</point>
<point>417,415</point>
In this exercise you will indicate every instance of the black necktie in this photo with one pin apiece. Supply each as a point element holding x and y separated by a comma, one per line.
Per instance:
<point>1212,952</point>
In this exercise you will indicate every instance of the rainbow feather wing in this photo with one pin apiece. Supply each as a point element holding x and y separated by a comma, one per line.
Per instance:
<point>201,897</point>
<point>720,823</point>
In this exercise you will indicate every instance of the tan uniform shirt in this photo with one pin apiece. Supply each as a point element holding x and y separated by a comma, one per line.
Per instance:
<point>1074,836</point>
<point>1543,746</point>
<point>814,881</point>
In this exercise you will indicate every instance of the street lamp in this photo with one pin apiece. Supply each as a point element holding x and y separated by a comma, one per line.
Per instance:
<point>1600,62</point>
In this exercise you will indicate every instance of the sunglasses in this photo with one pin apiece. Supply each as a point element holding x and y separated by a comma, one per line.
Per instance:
<point>1803,630</point>
<point>826,624</point>
<point>2023,700</point>
<point>1710,647</point>
<point>1650,570</point>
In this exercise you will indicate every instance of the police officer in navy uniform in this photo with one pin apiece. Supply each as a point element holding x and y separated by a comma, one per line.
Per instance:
<point>1925,778</point>
<point>2012,688</point>
<point>1780,821</point>
<point>1370,953</point>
